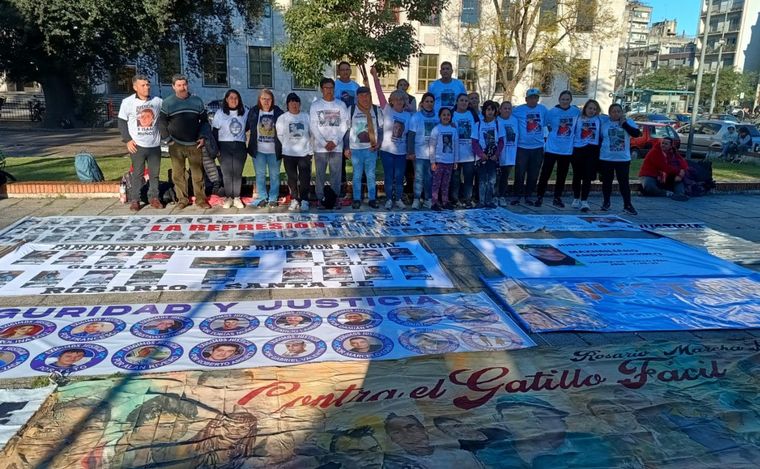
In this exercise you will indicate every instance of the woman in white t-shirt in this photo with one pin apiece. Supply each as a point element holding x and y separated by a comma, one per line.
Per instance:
<point>294,134</point>
<point>615,157</point>
<point>229,130</point>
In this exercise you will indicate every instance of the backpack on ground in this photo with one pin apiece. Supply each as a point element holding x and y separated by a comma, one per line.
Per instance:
<point>698,180</point>
<point>87,168</point>
<point>329,198</point>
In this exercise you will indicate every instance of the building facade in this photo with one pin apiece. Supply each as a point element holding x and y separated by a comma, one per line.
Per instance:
<point>734,27</point>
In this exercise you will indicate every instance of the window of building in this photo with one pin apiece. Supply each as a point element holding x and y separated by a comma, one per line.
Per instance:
<point>388,81</point>
<point>543,77</point>
<point>214,62</point>
<point>585,15</point>
<point>548,14</point>
<point>169,62</point>
<point>427,71</point>
<point>259,67</point>
<point>470,12</point>
<point>511,63</point>
<point>578,80</point>
<point>467,72</point>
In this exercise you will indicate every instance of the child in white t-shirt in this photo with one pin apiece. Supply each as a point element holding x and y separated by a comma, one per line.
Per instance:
<point>444,154</point>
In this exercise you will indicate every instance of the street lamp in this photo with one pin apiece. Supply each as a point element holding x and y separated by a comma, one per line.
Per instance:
<point>719,44</point>
<point>598,62</point>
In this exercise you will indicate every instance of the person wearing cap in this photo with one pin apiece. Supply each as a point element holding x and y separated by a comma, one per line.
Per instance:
<point>229,130</point>
<point>446,89</point>
<point>540,437</point>
<point>361,144</point>
<point>294,134</point>
<point>329,122</point>
<point>531,117</point>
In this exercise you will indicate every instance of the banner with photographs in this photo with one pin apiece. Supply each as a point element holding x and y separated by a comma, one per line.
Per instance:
<point>676,404</point>
<point>632,304</point>
<point>36,269</point>
<point>725,246</point>
<point>259,227</point>
<point>166,337</point>
<point>17,406</point>
<point>601,257</point>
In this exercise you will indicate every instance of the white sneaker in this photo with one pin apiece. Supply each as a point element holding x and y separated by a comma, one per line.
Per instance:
<point>428,204</point>
<point>585,206</point>
<point>576,203</point>
<point>294,205</point>
<point>304,205</point>
<point>389,204</point>
<point>227,203</point>
<point>237,203</point>
<point>416,204</point>
<point>400,205</point>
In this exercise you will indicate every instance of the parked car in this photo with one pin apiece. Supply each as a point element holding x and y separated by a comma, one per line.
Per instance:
<point>724,117</point>
<point>651,117</point>
<point>708,135</point>
<point>681,119</point>
<point>650,133</point>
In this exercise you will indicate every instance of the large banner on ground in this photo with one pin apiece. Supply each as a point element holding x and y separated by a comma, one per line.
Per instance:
<point>601,257</point>
<point>17,406</point>
<point>725,246</point>
<point>36,269</point>
<point>175,229</point>
<point>632,304</point>
<point>638,405</point>
<point>167,337</point>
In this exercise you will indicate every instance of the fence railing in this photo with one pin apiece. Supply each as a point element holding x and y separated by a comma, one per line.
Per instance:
<point>32,108</point>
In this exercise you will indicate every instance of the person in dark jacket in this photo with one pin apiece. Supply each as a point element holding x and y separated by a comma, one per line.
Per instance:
<point>182,121</point>
<point>265,148</point>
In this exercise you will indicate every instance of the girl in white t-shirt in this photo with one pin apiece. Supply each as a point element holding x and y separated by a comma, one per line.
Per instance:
<point>510,127</point>
<point>229,129</point>
<point>585,159</point>
<point>487,144</point>
<point>444,154</point>
<point>615,156</point>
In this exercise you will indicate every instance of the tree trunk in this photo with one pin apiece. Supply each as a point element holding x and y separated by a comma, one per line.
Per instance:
<point>60,100</point>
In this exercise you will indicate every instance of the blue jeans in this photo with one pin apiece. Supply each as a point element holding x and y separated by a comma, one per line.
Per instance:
<point>423,179</point>
<point>364,161</point>
<point>393,166</point>
<point>261,162</point>
<point>487,181</point>
<point>460,192</point>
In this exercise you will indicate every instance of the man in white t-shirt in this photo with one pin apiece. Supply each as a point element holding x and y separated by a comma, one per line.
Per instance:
<point>345,90</point>
<point>328,123</point>
<point>138,123</point>
<point>446,89</point>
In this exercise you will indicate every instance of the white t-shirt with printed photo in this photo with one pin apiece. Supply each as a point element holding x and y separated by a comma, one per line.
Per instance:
<point>265,133</point>
<point>231,126</point>
<point>142,119</point>
<point>294,134</point>
<point>465,123</point>
<point>509,129</point>
<point>395,129</point>
<point>444,144</point>
<point>616,143</point>
<point>422,126</point>
<point>358,137</point>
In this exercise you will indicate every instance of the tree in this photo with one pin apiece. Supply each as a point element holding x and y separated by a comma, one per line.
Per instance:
<point>677,78</point>
<point>544,36</point>
<point>731,86</point>
<point>65,43</point>
<point>359,31</point>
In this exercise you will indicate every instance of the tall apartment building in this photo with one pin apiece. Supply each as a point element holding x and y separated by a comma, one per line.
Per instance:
<point>250,62</point>
<point>737,24</point>
<point>636,18</point>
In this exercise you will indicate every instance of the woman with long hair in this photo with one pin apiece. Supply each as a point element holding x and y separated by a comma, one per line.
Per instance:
<point>559,147</point>
<point>264,148</point>
<point>229,130</point>
<point>615,156</point>
<point>585,159</point>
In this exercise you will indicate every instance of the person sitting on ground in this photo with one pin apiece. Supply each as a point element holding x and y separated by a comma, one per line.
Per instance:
<point>663,171</point>
<point>729,142</point>
<point>744,144</point>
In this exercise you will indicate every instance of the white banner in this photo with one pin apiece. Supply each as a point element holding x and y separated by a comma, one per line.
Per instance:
<point>34,269</point>
<point>165,337</point>
<point>581,223</point>
<point>257,227</point>
<point>601,257</point>
<point>725,246</point>
<point>17,406</point>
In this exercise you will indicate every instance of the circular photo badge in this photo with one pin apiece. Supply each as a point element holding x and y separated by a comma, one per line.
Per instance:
<point>428,341</point>
<point>490,338</point>
<point>468,313</point>
<point>147,355</point>
<point>362,345</point>
<point>414,316</point>
<point>222,352</point>
<point>11,357</point>
<point>69,358</point>
<point>161,327</point>
<point>355,319</point>
<point>294,348</point>
<point>92,329</point>
<point>229,325</point>
<point>293,321</point>
<point>25,331</point>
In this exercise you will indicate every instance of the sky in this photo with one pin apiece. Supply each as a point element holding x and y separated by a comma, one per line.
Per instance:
<point>686,12</point>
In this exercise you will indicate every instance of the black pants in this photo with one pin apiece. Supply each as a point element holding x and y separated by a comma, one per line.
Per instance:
<point>152,156</point>
<point>620,170</point>
<point>504,180</point>
<point>585,161</point>
<point>298,169</point>
<point>232,159</point>
<point>563,165</point>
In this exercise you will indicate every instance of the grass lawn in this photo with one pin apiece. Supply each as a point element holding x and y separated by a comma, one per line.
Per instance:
<point>113,167</point>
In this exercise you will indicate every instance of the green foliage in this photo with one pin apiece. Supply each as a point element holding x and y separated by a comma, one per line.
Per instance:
<point>322,31</point>
<point>731,85</point>
<point>666,79</point>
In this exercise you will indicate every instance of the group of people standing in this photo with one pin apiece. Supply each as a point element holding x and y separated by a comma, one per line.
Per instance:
<point>453,144</point>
